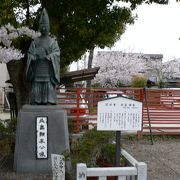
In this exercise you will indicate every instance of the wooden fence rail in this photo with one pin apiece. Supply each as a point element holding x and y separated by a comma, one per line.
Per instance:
<point>163,106</point>
<point>135,171</point>
<point>160,106</point>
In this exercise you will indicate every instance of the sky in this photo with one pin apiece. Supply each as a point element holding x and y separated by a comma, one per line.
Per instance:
<point>156,31</point>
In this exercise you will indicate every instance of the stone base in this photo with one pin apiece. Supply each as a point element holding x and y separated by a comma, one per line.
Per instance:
<point>58,138</point>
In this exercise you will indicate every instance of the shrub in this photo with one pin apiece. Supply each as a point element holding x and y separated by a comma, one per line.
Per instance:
<point>86,149</point>
<point>7,140</point>
<point>138,81</point>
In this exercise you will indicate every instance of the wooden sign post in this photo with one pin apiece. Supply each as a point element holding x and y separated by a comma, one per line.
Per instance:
<point>119,114</point>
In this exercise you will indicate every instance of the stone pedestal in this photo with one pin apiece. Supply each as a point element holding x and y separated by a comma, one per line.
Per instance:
<point>58,138</point>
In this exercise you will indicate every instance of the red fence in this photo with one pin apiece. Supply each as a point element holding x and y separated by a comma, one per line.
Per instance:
<point>163,107</point>
<point>164,112</point>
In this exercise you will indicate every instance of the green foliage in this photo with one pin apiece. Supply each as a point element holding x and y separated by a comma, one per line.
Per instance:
<point>7,137</point>
<point>7,127</point>
<point>7,13</point>
<point>79,25</point>
<point>138,81</point>
<point>86,149</point>
<point>82,25</point>
<point>108,153</point>
<point>107,156</point>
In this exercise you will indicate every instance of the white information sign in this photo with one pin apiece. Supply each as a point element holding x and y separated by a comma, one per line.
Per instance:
<point>119,114</point>
<point>58,166</point>
<point>41,138</point>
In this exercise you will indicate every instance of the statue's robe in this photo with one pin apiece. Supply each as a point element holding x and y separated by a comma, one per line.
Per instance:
<point>43,73</point>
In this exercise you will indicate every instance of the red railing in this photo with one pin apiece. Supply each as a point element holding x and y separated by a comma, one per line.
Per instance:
<point>164,112</point>
<point>163,106</point>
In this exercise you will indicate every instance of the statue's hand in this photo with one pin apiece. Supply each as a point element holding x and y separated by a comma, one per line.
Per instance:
<point>40,53</point>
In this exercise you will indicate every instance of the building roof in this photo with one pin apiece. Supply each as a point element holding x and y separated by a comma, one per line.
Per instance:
<point>80,75</point>
<point>75,76</point>
<point>154,56</point>
<point>151,56</point>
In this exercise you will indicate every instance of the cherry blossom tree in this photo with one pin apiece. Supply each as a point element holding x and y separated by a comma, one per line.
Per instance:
<point>13,53</point>
<point>165,70</point>
<point>117,68</point>
<point>171,69</point>
<point>7,34</point>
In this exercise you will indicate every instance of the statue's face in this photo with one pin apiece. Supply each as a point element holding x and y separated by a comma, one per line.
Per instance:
<point>44,28</point>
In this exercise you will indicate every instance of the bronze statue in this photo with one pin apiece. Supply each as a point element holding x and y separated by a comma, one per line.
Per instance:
<point>43,65</point>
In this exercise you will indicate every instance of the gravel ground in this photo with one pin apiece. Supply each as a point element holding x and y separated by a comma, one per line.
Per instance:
<point>162,158</point>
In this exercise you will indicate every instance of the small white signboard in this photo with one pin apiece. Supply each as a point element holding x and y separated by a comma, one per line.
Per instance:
<point>58,166</point>
<point>119,114</point>
<point>81,172</point>
<point>41,138</point>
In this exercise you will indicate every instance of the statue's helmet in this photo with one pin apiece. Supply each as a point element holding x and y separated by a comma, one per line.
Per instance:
<point>44,22</point>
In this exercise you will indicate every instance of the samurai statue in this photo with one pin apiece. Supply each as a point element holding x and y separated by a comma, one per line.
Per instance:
<point>43,65</point>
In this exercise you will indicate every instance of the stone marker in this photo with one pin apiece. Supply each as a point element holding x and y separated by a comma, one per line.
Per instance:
<point>26,139</point>
<point>58,166</point>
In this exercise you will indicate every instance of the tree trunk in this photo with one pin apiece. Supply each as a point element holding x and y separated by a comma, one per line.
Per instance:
<point>16,71</point>
<point>27,13</point>
<point>88,85</point>
<point>91,53</point>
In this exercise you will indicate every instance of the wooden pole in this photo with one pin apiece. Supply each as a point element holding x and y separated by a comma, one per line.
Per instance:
<point>118,148</point>
<point>150,129</point>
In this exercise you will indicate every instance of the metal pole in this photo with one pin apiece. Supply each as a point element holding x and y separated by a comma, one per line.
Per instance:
<point>118,148</point>
<point>148,116</point>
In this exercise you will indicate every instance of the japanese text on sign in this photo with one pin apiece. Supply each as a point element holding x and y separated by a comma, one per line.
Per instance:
<point>58,167</point>
<point>119,114</point>
<point>41,138</point>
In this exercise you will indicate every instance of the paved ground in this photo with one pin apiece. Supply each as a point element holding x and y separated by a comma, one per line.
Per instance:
<point>162,158</point>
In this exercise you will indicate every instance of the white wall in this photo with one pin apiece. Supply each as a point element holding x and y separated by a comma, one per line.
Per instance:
<point>3,77</point>
<point>3,74</point>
